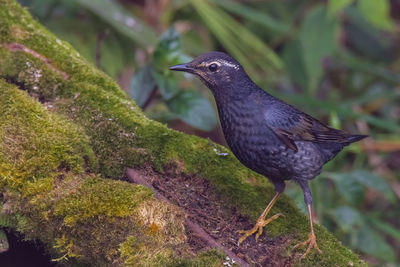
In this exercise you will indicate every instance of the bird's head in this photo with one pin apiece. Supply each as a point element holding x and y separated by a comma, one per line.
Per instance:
<point>217,70</point>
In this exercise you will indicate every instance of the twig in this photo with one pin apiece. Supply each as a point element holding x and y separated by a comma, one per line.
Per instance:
<point>99,41</point>
<point>150,98</point>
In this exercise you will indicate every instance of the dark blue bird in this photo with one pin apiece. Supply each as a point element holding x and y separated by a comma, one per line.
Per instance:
<point>266,134</point>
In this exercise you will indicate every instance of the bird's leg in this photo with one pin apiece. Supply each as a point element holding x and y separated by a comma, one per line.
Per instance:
<point>311,241</point>
<point>261,222</point>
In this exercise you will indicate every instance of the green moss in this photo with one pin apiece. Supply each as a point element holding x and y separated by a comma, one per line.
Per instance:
<point>139,253</point>
<point>136,252</point>
<point>98,197</point>
<point>24,126</point>
<point>209,258</point>
<point>45,160</point>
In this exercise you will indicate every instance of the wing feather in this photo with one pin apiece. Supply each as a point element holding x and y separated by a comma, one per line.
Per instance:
<point>290,124</point>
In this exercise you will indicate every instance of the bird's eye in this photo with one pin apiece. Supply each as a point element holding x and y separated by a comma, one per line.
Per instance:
<point>213,67</point>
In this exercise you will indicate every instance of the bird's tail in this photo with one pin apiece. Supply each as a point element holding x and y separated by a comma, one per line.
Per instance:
<point>355,138</point>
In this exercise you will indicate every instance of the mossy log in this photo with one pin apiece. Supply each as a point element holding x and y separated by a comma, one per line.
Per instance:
<point>68,134</point>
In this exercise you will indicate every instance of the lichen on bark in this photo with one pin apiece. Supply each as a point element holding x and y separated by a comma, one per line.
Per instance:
<point>67,135</point>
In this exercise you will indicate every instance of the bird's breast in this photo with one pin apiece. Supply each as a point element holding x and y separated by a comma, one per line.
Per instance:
<point>245,132</point>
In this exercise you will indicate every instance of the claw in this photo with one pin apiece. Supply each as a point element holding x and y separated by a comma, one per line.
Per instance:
<point>258,227</point>
<point>261,222</point>
<point>312,243</point>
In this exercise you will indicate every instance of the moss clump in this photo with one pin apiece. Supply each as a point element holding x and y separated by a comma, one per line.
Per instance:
<point>133,251</point>
<point>47,184</point>
<point>98,197</point>
<point>26,155</point>
<point>53,157</point>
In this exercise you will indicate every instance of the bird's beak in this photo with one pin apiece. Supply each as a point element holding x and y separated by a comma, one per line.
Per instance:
<point>182,67</point>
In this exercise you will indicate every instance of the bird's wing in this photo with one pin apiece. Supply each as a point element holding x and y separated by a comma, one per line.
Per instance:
<point>290,124</point>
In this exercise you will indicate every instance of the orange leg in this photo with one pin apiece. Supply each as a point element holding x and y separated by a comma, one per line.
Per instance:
<point>311,241</point>
<point>261,222</point>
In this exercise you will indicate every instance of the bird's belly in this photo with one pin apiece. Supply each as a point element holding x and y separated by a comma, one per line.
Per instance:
<point>270,157</point>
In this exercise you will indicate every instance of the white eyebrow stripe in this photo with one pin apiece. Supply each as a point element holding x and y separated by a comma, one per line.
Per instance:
<point>229,64</point>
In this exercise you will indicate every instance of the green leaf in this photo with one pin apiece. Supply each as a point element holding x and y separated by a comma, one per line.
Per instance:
<point>194,109</point>
<point>170,42</point>
<point>254,15</point>
<point>374,182</point>
<point>350,189</point>
<point>336,5</point>
<point>167,84</point>
<point>294,63</point>
<point>237,39</point>
<point>295,193</point>
<point>318,40</point>
<point>121,20</point>
<point>367,40</point>
<point>334,120</point>
<point>347,218</point>
<point>386,228</point>
<point>40,8</point>
<point>350,183</point>
<point>377,12</point>
<point>372,243</point>
<point>168,50</point>
<point>115,53</point>
<point>142,84</point>
<point>3,242</point>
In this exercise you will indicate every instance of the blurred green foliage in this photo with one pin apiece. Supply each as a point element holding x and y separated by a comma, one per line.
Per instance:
<point>338,60</point>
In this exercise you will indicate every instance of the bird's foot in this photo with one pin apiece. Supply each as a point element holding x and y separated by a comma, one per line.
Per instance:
<point>312,243</point>
<point>260,224</point>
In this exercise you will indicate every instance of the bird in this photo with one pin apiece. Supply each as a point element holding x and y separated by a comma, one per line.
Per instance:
<point>267,135</point>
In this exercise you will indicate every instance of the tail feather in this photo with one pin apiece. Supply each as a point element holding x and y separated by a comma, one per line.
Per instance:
<point>330,150</point>
<point>356,137</point>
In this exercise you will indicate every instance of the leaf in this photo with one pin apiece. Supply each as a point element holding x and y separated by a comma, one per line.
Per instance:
<point>237,39</point>
<point>334,120</point>
<point>377,12</point>
<point>167,84</point>
<point>194,109</point>
<point>168,50</point>
<point>252,14</point>
<point>374,182</point>
<point>318,40</point>
<point>352,181</point>
<point>115,54</point>
<point>40,8</point>
<point>295,193</point>
<point>372,243</point>
<point>367,40</point>
<point>336,5</point>
<point>350,189</point>
<point>387,228</point>
<point>347,218</point>
<point>121,20</point>
<point>142,84</point>
<point>170,42</point>
<point>294,63</point>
